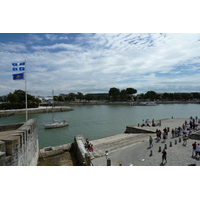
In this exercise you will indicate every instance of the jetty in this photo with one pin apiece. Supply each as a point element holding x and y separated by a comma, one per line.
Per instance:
<point>41,109</point>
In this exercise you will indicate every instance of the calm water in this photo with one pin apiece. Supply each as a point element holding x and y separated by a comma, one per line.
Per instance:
<point>97,121</point>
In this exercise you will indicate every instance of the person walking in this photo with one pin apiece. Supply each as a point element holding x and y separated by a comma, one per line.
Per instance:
<point>194,149</point>
<point>164,156</point>
<point>150,141</point>
<point>185,138</point>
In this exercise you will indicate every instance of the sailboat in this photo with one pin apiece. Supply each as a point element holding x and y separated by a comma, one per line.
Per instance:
<point>55,123</point>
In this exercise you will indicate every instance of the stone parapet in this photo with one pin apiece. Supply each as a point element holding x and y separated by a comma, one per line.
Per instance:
<point>19,144</point>
<point>52,151</point>
<point>83,156</point>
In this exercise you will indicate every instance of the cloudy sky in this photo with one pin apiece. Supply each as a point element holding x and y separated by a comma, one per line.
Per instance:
<point>152,47</point>
<point>96,62</point>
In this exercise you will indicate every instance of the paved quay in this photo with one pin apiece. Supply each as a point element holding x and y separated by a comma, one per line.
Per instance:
<point>132,149</point>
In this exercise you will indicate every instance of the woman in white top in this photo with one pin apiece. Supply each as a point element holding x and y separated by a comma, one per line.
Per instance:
<point>198,150</point>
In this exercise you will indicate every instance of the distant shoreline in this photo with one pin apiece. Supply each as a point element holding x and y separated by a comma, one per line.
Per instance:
<point>63,106</point>
<point>121,103</point>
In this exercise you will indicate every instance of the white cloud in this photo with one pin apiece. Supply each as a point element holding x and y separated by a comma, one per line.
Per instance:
<point>57,46</point>
<point>17,47</point>
<point>53,37</point>
<point>97,62</point>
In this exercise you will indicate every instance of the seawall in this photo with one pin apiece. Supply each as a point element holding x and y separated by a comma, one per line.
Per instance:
<point>4,113</point>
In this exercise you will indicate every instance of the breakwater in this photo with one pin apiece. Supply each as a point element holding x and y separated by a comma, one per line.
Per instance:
<point>5,113</point>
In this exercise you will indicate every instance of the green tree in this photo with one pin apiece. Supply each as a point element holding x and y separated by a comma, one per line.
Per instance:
<point>72,96</point>
<point>114,93</point>
<point>151,95</point>
<point>12,97</point>
<point>123,95</point>
<point>17,101</point>
<point>79,96</point>
<point>88,97</point>
<point>131,92</point>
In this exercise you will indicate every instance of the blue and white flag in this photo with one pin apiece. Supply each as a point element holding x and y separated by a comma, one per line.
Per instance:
<point>18,66</point>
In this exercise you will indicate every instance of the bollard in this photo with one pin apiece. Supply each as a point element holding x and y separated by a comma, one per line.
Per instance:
<point>159,149</point>
<point>151,153</point>
<point>175,141</point>
<point>179,139</point>
<point>170,144</point>
<point>108,162</point>
<point>165,146</point>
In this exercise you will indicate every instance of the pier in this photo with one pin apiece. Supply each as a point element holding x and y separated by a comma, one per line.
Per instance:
<point>5,113</point>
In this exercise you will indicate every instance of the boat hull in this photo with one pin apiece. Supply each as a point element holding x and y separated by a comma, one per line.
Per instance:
<point>56,125</point>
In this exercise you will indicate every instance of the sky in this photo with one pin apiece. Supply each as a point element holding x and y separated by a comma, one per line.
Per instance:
<point>95,46</point>
<point>96,62</point>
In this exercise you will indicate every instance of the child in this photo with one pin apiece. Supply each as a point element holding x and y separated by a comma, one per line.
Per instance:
<point>91,148</point>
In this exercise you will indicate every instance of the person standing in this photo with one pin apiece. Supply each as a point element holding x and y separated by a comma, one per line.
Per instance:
<point>164,156</point>
<point>194,149</point>
<point>150,141</point>
<point>91,148</point>
<point>185,138</point>
<point>196,119</point>
<point>172,133</point>
<point>198,151</point>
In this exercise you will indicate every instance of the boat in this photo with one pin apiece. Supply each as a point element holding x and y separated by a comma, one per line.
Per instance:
<point>149,103</point>
<point>55,123</point>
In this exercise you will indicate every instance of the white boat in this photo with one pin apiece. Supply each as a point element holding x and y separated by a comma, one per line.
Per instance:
<point>148,103</point>
<point>55,123</point>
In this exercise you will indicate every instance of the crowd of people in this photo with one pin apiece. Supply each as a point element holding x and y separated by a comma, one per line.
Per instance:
<point>147,123</point>
<point>88,146</point>
<point>185,131</point>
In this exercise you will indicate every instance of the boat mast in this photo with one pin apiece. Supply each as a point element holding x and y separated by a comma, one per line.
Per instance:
<point>53,107</point>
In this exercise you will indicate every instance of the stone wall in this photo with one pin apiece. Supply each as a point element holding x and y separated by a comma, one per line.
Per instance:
<point>51,151</point>
<point>83,156</point>
<point>10,127</point>
<point>20,147</point>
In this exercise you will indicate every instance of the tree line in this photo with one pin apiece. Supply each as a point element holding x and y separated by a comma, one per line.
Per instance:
<point>16,100</point>
<point>128,94</point>
<point>114,94</point>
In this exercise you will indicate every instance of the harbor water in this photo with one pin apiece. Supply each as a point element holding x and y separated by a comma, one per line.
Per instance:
<point>98,121</point>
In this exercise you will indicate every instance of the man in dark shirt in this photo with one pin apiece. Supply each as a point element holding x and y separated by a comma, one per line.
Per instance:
<point>194,149</point>
<point>164,156</point>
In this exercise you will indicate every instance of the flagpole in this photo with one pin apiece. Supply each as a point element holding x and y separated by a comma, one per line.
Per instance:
<point>26,94</point>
